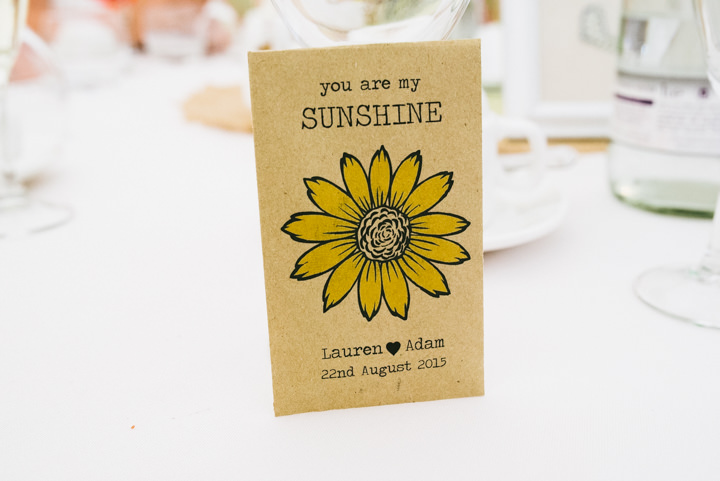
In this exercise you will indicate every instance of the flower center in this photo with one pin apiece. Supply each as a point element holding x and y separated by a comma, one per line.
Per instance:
<point>383,234</point>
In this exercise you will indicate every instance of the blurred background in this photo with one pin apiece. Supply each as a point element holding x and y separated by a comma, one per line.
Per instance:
<point>569,44</point>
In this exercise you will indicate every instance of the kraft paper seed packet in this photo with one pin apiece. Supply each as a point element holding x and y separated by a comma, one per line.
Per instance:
<point>370,187</point>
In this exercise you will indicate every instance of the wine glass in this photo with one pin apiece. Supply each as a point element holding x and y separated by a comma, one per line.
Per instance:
<point>19,215</point>
<point>323,23</point>
<point>692,293</point>
<point>708,12</point>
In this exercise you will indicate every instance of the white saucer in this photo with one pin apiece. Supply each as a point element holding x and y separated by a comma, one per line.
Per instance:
<point>520,219</point>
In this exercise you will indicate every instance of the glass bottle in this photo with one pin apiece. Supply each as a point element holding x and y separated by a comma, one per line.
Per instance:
<point>665,150</point>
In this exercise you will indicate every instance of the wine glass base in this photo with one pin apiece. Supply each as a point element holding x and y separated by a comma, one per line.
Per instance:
<point>20,216</point>
<point>688,293</point>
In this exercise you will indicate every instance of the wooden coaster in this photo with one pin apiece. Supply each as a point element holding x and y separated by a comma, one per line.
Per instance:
<point>223,107</point>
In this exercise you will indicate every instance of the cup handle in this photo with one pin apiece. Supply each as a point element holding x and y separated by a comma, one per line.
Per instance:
<point>525,129</point>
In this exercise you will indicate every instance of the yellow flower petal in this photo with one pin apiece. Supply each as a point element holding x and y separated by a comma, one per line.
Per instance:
<point>341,280</point>
<point>428,194</point>
<point>322,258</point>
<point>331,199</point>
<point>423,274</point>
<point>395,289</point>
<point>315,227</point>
<point>438,249</point>
<point>356,181</point>
<point>380,177</point>
<point>370,290</point>
<point>439,224</point>
<point>406,176</point>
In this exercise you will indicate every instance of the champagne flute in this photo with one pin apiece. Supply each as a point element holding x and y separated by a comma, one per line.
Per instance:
<point>692,293</point>
<point>324,23</point>
<point>19,215</point>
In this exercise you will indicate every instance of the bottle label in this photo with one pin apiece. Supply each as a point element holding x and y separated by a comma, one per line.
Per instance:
<point>678,115</point>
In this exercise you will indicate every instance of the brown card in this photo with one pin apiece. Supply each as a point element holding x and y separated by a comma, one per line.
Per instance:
<point>369,176</point>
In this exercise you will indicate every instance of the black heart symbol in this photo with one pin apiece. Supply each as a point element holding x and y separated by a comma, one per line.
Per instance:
<point>393,347</point>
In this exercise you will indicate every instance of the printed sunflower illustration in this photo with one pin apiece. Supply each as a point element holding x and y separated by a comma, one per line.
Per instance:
<point>378,233</point>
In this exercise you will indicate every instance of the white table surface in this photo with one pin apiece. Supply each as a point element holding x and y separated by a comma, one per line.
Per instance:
<point>148,310</point>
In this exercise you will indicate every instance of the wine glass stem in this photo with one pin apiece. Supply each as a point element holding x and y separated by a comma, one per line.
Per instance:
<point>10,188</point>
<point>711,260</point>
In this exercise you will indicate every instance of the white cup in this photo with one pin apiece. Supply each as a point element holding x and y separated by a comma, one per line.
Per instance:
<point>497,181</point>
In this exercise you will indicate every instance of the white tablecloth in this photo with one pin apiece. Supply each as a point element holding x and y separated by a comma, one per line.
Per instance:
<point>134,344</point>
